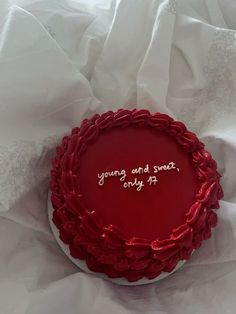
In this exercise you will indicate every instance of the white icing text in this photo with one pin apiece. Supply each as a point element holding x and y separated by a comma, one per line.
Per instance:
<point>114,173</point>
<point>135,182</point>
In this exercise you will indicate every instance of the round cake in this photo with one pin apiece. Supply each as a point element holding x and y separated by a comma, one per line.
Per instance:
<point>133,193</point>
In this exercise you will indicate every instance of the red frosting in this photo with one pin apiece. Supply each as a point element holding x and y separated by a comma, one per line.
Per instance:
<point>121,231</point>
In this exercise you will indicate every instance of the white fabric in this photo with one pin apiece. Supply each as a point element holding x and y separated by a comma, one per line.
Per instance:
<point>63,60</point>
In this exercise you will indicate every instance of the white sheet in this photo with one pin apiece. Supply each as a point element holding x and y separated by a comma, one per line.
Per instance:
<point>63,60</point>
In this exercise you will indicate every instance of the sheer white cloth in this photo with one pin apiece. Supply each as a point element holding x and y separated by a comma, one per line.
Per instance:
<point>63,60</point>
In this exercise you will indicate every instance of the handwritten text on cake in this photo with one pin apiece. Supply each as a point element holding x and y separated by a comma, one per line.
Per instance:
<point>152,173</point>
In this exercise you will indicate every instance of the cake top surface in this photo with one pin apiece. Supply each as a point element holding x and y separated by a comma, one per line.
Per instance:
<point>138,179</point>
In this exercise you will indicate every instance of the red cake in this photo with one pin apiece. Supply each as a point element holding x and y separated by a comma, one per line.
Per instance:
<point>133,193</point>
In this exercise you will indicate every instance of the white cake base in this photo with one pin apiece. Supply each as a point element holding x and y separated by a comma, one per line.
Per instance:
<point>82,264</point>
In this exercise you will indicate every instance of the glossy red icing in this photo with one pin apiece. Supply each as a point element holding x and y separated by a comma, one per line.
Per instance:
<point>124,232</point>
<point>138,213</point>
